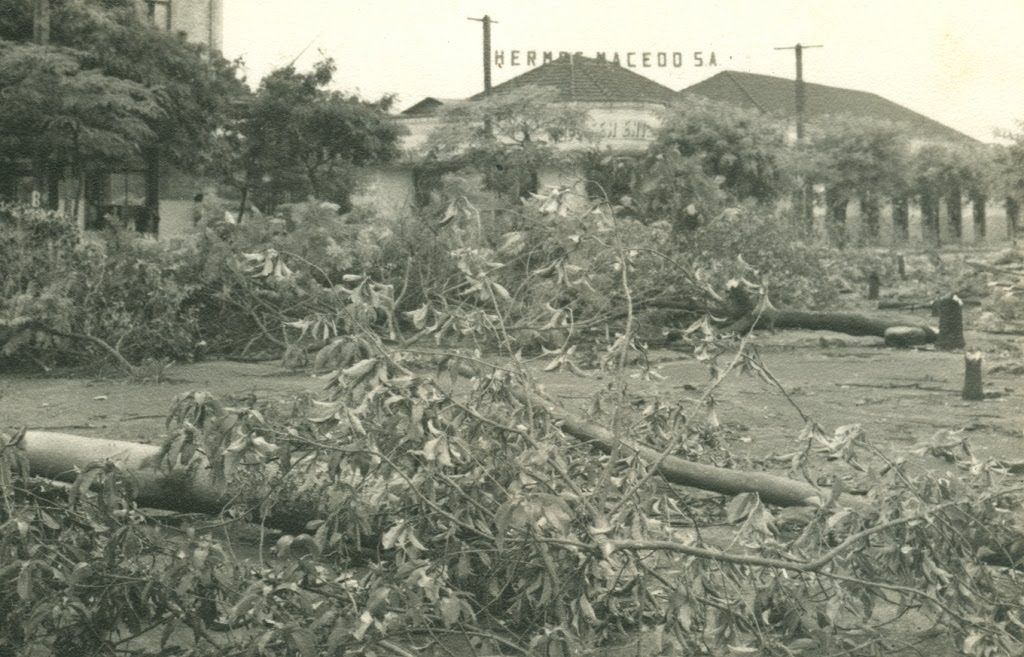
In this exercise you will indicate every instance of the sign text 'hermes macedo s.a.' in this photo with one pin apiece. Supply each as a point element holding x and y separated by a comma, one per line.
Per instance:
<point>629,59</point>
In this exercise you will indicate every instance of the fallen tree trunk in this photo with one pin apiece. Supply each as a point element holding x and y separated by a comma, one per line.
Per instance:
<point>772,489</point>
<point>749,315</point>
<point>60,456</point>
<point>848,323</point>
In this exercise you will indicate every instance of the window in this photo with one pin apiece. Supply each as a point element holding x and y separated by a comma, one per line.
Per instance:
<point>120,197</point>
<point>160,13</point>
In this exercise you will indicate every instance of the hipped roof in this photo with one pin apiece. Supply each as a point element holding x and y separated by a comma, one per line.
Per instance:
<point>776,95</point>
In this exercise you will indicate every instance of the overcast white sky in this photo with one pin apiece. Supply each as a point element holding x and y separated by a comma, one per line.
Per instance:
<point>960,62</point>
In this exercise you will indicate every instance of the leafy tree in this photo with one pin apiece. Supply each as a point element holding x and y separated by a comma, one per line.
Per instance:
<point>949,172</point>
<point>295,138</point>
<point>70,115</point>
<point>190,84</point>
<point>1008,180</point>
<point>857,157</point>
<point>509,137</point>
<point>742,147</point>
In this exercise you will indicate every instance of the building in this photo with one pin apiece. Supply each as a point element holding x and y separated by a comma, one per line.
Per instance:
<point>777,96</point>
<point>901,219</point>
<point>623,107</point>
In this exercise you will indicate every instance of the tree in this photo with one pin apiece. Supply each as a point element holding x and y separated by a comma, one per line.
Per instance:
<point>509,138</point>
<point>54,110</point>
<point>742,147</point>
<point>190,84</point>
<point>1008,161</point>
<point>857,157</point>
<point>295,138</point>
<point>950,172</point>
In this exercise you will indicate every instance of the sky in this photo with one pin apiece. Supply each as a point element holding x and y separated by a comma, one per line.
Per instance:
<point>960,62</point>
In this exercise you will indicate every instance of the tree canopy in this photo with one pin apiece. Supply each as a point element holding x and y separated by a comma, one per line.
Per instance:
<point>52,105</point>
<point>742,147</point>
<point>106,52</point>
<point>295,137</point>
<point>509,137</point>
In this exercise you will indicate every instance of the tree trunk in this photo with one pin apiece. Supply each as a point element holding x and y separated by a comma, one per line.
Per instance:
<point>901,265</point>
<point>770,488</point>
<point>848,323</point>
<point>60,456</point>
<point>973,390</point>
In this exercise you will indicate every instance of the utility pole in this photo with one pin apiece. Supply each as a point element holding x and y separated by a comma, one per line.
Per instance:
<point>486,20</point>
<point>801,94</point>
<point>806,194</point>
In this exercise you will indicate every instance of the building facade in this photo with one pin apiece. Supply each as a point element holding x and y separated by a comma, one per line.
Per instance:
<point>625,108</point>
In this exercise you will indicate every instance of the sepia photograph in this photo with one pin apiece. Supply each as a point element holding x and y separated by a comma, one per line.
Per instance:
<point>457,328</point>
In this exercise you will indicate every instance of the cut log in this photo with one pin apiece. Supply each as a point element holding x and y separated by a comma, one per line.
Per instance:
<point>765,315</point>
<point>950,312</point>
<point>848,323</point>
<point>770,488</point>
<point>973,389</point>
<point>60,456</point>
<point>904,337</point>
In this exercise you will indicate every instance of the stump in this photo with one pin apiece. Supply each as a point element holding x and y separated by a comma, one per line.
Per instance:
<point>874,282</point>
<point>949,310</point>
<point>973,390</point>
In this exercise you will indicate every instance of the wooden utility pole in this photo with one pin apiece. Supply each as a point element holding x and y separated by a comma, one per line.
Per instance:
<point>806,192</point>
<point>801,94</point>
<point>487,21</point>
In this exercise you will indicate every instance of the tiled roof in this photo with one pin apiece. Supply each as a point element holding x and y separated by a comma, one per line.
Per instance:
<point>429,105</point>
<point>586,79</point>
<point>778,96</point>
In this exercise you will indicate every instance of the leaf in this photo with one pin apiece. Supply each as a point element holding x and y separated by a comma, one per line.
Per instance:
<point>25,582</point>
<point>451,610</point>
<point>740,507</point>
<point>419,317</point>
<point>303,641</point>
<point>587,610</point>
<point>283,545</point>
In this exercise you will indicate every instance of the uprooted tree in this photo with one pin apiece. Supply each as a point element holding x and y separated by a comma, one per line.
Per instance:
<point>436,493</point>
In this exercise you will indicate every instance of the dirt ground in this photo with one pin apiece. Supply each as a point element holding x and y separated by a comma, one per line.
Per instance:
<point>900,396</point>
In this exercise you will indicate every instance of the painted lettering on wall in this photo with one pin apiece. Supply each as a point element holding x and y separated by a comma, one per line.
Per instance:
<point>629,59</point>
<point>629,129</point>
